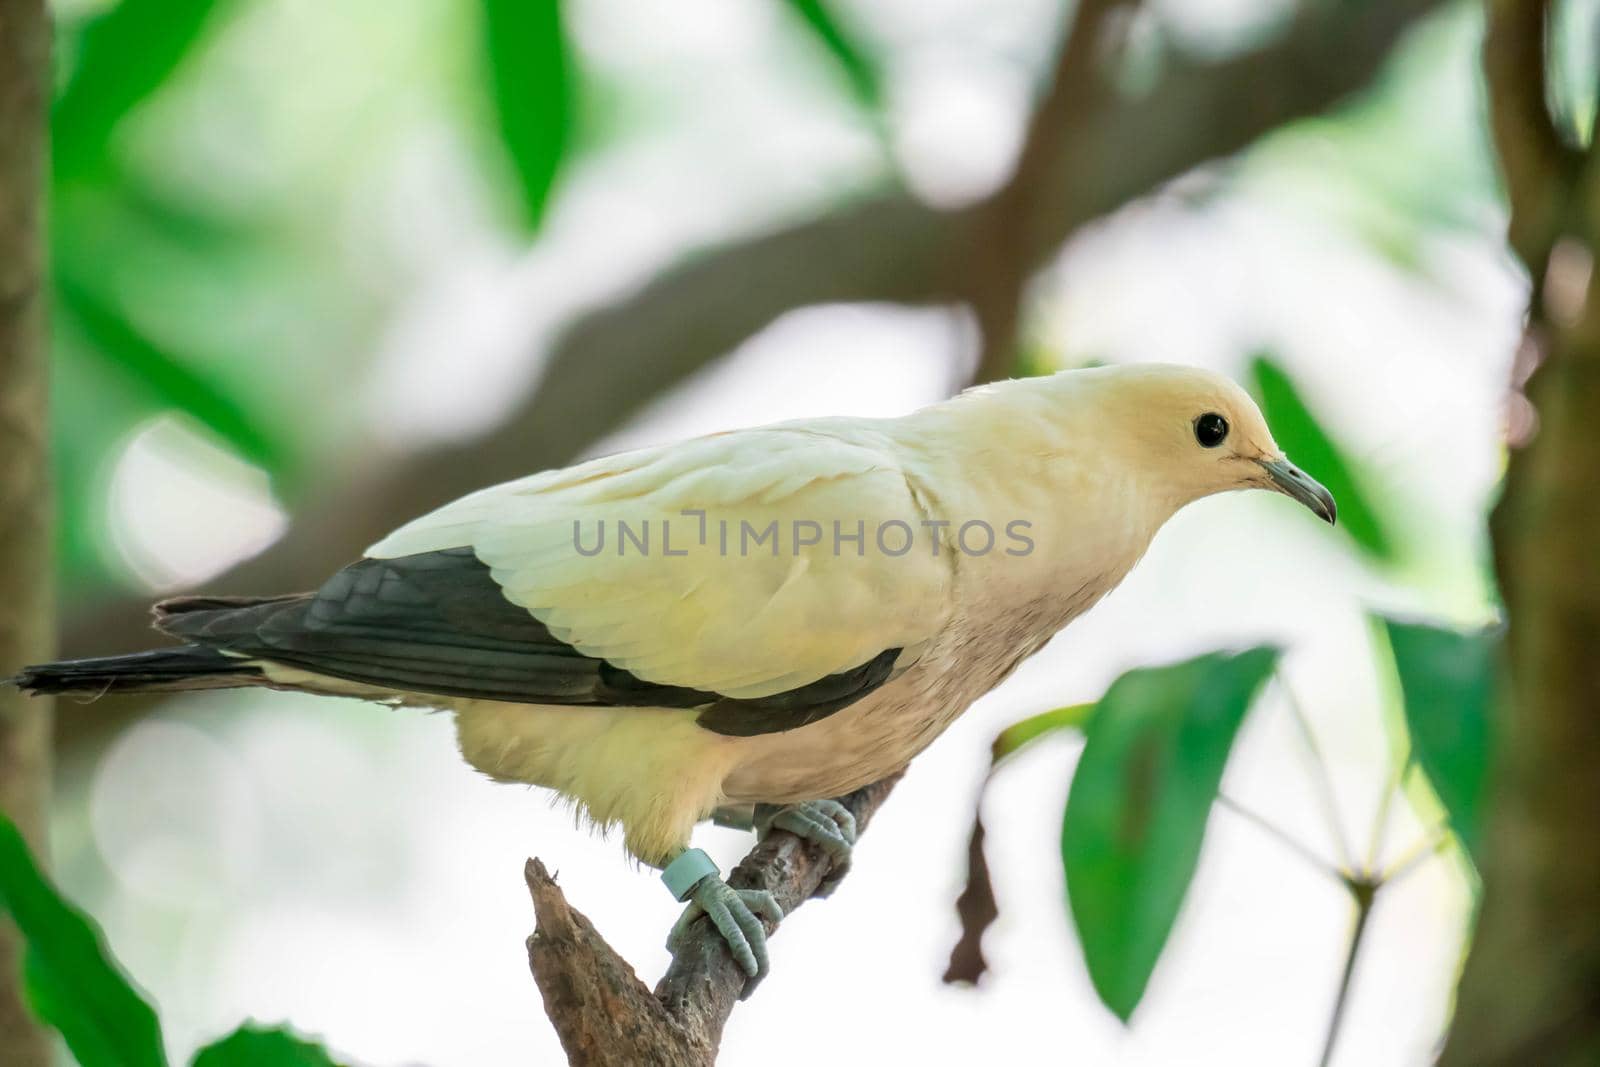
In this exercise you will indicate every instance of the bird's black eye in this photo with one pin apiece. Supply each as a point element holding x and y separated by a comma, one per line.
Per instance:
<point>1210,430</point>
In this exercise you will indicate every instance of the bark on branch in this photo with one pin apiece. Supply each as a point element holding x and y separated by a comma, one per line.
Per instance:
<point>605,1016</point>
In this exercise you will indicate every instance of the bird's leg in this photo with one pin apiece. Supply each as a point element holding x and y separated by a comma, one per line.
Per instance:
<point>735,816</point>
<point>736,913</point>
<point>826,823</point>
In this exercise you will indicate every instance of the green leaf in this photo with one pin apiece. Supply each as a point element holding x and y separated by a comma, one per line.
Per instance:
<point>531,87</point>
<point>1313,450</point>
<point>124,55</point>
<point>170,382</point>
<point>859,67</point>
<point>1136,813</point>
<point>73,983</point>
<point>1019,734</point>
<point>1447,684</point>
<point>253,1046</point>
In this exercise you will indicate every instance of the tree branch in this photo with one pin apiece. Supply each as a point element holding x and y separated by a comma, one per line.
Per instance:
<point>605,1015</point>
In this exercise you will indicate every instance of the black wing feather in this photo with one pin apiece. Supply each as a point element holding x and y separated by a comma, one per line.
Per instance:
<point>438,623</point>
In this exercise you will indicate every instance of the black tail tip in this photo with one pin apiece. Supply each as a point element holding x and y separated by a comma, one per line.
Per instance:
<point>158,670</point>
<point>32,680</point>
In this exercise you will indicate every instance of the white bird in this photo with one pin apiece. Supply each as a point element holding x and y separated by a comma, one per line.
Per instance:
<point>772,616</point>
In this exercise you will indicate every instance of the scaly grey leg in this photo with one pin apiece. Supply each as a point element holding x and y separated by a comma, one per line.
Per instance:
<point>826,823</point>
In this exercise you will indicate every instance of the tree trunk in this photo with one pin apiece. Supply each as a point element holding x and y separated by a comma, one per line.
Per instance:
<point>1531,990</point>
<point>26,618</point>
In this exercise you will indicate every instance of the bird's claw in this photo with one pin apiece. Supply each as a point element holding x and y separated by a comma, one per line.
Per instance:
<point>737,915</point>
<point>826,823</point>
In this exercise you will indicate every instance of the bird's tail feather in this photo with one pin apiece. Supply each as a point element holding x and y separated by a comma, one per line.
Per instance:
<point>197,618</point>
<point>160,670</point>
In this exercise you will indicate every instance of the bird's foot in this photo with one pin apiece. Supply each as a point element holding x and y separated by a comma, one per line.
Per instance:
<point>736,914</point>
<point>826,823</point>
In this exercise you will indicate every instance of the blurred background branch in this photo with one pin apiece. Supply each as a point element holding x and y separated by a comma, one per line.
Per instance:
<point>1010,236</point>
<point>1538,163</point>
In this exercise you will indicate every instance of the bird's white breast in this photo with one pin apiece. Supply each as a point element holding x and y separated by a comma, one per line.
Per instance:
<point>881,733</point>
<point>1004,608</point>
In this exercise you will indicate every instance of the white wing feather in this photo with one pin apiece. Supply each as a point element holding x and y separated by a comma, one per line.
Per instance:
<point>732,615</point>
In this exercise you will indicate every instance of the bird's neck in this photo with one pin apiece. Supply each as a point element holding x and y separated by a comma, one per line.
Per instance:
<point>1070,519</point>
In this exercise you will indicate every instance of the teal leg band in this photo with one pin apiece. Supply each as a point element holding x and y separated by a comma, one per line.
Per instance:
<point>687,871</point>
<point>740,916</point>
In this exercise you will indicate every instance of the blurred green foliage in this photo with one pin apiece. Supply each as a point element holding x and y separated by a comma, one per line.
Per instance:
<point>122,56</point>
<point>111,370</point>
<point>251,1046</point>
<point>75,985</point>
<point>1314,450</point>
<point>1408,162</point>
<point>860,68</point>
<point>178,291</point>
<point>72,982</point>
<point>1136,815</point>
<point>167,382</point>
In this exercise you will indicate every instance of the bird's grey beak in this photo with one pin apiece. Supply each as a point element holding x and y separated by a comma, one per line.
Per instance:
<point>1295,483</point>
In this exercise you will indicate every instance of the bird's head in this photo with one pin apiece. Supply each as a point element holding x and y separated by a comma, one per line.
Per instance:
<point>1195,433</point>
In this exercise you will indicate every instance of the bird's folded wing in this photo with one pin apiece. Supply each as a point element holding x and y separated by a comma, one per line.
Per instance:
<point>745,564</point>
